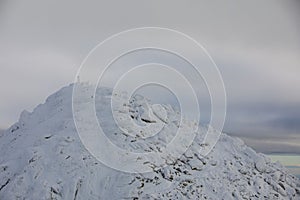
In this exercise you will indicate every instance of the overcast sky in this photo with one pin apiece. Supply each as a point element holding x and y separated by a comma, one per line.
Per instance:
<point>256,46</point>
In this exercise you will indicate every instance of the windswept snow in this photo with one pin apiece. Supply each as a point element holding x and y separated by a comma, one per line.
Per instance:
<point>42,157</point>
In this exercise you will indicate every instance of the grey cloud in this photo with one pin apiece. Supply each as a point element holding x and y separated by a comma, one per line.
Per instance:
<point>276,116</point>
<point>290,122</point>
<point>270,145</point>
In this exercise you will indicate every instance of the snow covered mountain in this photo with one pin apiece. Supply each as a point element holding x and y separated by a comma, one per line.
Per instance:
<point>42,157</point>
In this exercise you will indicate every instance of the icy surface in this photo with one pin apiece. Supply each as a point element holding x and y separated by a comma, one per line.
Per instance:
<point>42,157</point>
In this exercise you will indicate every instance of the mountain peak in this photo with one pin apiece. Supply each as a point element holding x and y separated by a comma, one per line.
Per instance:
<point>44,158</point>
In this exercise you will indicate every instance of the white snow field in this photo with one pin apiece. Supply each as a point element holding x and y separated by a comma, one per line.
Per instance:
<point>42,157</point>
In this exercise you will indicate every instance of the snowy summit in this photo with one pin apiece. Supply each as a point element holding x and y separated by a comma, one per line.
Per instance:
<point>42,157</point>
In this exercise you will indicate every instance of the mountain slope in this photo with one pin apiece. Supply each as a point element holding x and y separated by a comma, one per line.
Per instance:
<point>42,157</point>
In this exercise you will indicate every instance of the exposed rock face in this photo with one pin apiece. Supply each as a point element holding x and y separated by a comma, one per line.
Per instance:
<point>42,157</point>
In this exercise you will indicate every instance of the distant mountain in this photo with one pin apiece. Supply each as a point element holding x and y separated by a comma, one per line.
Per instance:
<point>42,157</point>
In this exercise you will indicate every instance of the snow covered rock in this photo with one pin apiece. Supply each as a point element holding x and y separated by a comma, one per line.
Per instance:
<point>260,164</point>
<point>42,157</point>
